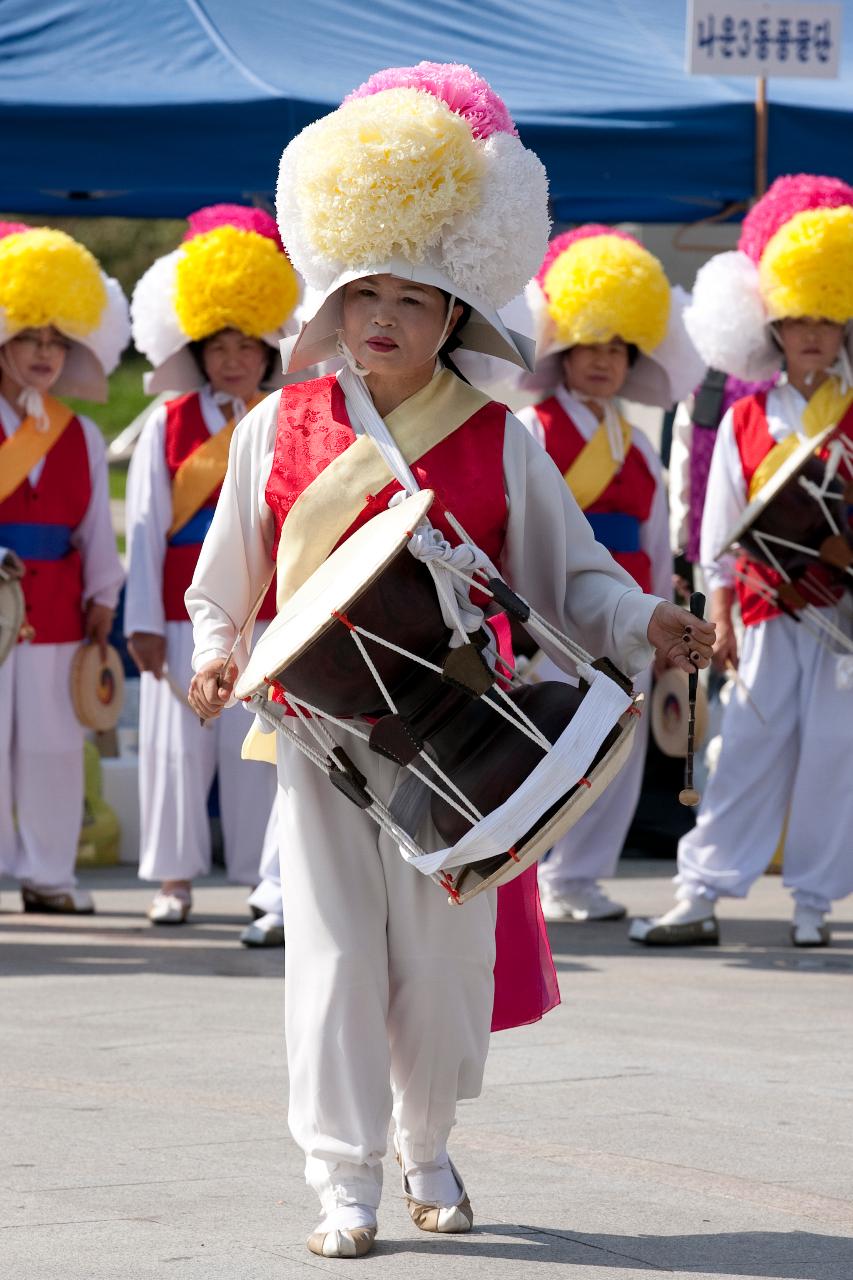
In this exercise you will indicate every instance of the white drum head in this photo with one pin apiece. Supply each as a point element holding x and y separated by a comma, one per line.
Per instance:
<point>11,615</point>
<point>776,483</point>
<point>670,712</point>
<point>97,687</point>
<point>333,587</point>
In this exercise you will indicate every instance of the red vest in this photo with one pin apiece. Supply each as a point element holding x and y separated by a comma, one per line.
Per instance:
<point>185,432</point>
<point>465,469</point>
<point>754,441</point>
<point>38,523</point>
<point>629,495</point>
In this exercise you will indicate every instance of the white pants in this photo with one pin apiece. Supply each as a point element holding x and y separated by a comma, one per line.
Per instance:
<point>591,849</point>
<point>178,759</point>
<point>389,989</point>
<point>266,896</point>
<point>41,766</point>
<point>797,764</point>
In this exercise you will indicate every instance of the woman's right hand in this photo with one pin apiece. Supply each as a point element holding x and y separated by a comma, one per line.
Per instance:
<point>211,688</point>
<point>148,651</point>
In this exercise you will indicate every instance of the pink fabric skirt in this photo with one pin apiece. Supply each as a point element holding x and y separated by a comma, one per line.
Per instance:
<point>526,986</point>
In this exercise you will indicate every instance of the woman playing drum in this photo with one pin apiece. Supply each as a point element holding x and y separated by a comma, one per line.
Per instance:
<point>416,211</point>
<point>783,299</point>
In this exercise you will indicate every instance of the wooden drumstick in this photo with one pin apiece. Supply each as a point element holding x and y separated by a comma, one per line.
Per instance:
<point>689,795</point>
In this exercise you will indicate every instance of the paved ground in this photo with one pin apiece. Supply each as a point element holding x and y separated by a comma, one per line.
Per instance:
<point>681,1115</point>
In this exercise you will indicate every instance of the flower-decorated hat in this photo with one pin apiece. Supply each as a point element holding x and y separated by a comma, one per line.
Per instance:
<point>794,258</point>
<point>419,174</point>
<point>230,272</point>
<point>595,284</point>
<point>48,278</point>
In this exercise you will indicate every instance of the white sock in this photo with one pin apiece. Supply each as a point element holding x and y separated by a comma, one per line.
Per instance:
<point>347,1217</point>
<point>689,911</point>
<point>434,1183</point>
<point>808,917</point>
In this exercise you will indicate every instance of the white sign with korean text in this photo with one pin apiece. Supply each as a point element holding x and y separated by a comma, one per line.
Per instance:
<point>763,38</point>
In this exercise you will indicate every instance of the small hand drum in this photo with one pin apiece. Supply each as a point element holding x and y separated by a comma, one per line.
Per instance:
<point>669,709</point>
<point>97,687</point>
<point>12,614</point>
<point>362,648</point>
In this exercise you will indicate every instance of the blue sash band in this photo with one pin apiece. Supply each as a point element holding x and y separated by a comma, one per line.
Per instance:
<point>195,530</point>
<point>619,533</point>
<point>37,541</point>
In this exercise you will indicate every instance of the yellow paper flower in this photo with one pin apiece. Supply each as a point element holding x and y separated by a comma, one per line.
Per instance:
<point>233,279</point>
<point>384,175</point>
<point>48,278</point>
<point>605,287</point>
<point>807,267</point>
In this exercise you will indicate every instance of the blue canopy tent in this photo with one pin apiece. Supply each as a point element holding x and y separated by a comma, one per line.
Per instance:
<point>153,109</point>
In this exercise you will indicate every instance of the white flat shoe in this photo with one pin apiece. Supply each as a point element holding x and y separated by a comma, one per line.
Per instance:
<point>169,908</point>
<point>352,1242</point>
<point>445,1219</point>
<point>809,928</point>
<point>689,923</point>
<point>266,931</point>
<point>64,902</point>
<point>580,905</point>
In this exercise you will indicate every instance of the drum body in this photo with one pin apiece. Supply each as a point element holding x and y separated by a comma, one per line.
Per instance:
<point>314,655</point>
<point>12,615</point>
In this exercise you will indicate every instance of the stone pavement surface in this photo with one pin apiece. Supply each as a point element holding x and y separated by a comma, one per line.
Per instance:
<point>682,1115</point>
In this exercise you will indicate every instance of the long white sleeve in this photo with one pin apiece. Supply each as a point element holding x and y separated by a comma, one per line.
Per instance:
<point>679,479</point>
<point>94,536</point>
<point>725,501</point>
<point>552,559</point>
<point>148,515</point>
<point>236,556</point>
<point>654,532</point>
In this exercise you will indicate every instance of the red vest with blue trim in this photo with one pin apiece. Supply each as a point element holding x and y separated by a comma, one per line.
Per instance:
<point>38,523</point>
<point>754,441</point>
<point>465,469</point>
<point>626,503</point>
<point>185,432</point>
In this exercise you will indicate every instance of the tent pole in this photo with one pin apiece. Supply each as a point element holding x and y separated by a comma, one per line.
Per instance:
<point>760,136</point>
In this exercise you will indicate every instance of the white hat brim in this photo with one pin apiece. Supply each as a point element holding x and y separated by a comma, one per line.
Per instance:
<point>485,332</point>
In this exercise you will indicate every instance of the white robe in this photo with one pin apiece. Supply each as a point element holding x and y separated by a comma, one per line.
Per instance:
<point>590,851</point>
<point>41,740</point>
<point>383,978</point>
<point>178,758</point>
<point>799,761</point>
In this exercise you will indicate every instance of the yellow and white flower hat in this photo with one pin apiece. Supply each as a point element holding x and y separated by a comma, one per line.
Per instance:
<point>596,283</point>
<point>420,174</point>
<point>230,272</point>
<point>794,258</point>
<point>48,278</point>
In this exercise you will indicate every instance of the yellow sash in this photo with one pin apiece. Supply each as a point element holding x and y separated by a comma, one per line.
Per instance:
<point>202,473</point>
<point>594,467</point>
<point>324,511</point>
<point>827,406</point>
<point>22,451</point>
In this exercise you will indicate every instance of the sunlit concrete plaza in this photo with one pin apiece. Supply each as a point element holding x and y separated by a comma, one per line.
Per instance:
<point>683,1114</point>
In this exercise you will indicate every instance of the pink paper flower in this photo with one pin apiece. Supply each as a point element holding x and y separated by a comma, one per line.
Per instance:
<point>240,216</point>
<point>787,196</point>
<point>455,84</point>
<point>562,242</point>
<point>12,228</point>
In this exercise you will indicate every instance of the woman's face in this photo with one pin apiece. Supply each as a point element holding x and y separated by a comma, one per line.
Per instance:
<point>392,325</point>
<point>810,344</point>
<point>38,356</point>
<point>598,370</point>
<point>234,363</point>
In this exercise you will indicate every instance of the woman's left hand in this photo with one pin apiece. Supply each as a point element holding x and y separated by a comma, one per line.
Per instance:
<point>98,625</point>
<point>680,639</point>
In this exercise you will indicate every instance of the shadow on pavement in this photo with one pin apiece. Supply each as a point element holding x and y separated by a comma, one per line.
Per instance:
<point>777,1255</point>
